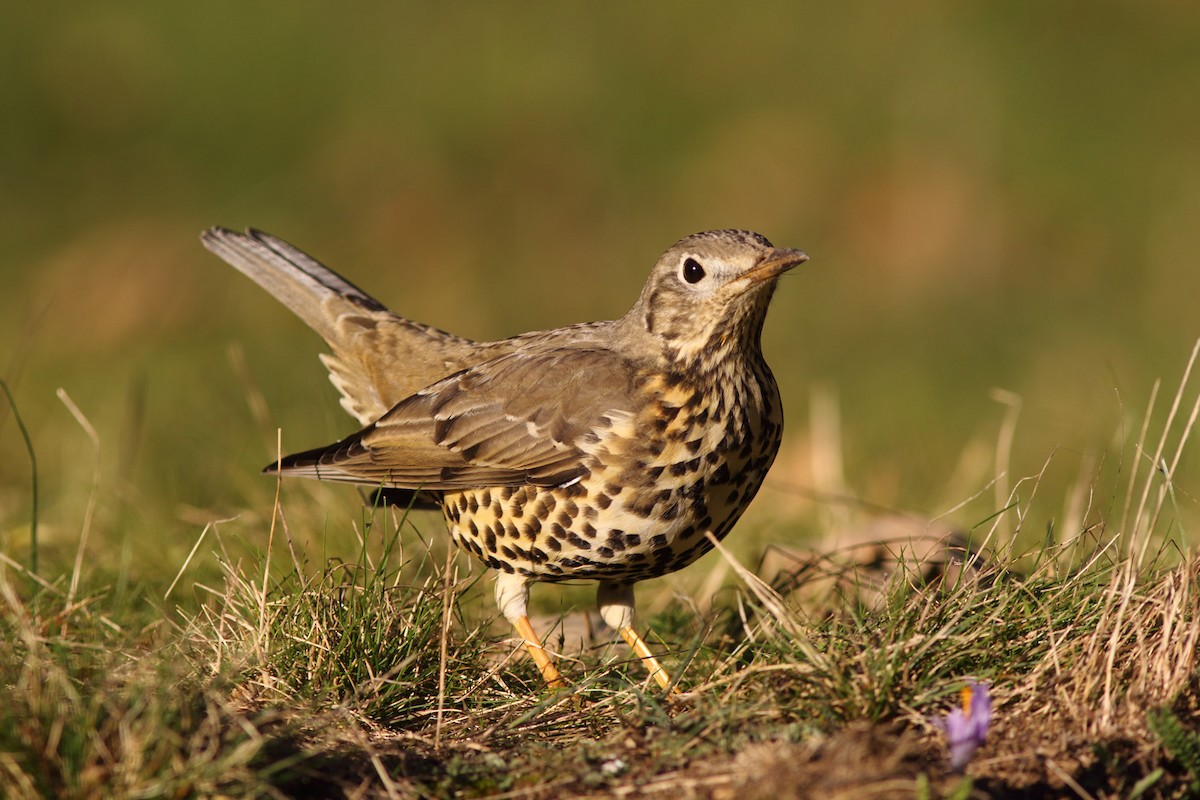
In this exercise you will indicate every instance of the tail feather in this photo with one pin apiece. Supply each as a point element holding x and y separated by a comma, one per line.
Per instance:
<point>378,358</point>
<point>296,279</point>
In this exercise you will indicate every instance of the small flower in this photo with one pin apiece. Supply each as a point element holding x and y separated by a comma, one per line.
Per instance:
<point>966,727</point>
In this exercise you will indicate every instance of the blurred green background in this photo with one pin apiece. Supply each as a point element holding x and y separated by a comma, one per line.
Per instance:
<point>994,196</point>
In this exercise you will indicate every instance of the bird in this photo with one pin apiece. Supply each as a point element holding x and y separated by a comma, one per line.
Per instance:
<point>613,451</point>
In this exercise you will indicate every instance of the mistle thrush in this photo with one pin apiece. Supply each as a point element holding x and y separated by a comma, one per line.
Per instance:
<point>605,450</point>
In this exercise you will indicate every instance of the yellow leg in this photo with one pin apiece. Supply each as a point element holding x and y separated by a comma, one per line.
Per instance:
<point>550,673</point>
<point>643,651</point>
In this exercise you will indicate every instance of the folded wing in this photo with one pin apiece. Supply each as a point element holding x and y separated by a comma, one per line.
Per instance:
<point>523,418</point>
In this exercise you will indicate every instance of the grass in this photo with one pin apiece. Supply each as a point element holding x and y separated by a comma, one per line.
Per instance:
<point>380,677</point>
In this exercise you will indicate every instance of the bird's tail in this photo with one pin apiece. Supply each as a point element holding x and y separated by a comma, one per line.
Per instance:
<point>315,293</point>
<point>378,358</point>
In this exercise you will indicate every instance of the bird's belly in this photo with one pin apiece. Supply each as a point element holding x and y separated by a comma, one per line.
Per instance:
<point>626,525</point>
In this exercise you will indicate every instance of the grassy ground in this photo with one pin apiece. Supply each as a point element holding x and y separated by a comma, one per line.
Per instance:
<point>822,677</point>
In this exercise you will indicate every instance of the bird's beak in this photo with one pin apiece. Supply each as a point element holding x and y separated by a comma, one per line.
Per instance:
<point>777,261</point>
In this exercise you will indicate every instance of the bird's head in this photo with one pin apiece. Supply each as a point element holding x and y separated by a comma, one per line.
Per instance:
<point>707,297</point>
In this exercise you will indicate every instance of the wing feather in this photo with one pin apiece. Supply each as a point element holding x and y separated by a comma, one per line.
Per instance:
<point>517,419</point>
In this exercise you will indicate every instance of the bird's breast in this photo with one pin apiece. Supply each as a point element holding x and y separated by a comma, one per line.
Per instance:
<point>686,463</point>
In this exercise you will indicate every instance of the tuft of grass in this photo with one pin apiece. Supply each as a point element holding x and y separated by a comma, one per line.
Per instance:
<point>352,635</point>
<point>88,711</point>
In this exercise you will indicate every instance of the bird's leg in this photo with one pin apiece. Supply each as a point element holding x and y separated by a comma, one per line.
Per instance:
<point>512,598</point>
<point>616,608</point>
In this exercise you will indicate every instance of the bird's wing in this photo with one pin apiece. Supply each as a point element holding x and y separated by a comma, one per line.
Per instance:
<point>367,340</point>
<point>518,419</point>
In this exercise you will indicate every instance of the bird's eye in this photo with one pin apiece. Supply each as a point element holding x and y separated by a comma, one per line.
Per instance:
<point>692,271</point>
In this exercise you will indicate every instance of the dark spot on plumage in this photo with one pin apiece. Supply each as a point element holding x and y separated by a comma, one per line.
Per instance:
<point>693,446</point>
<point>701,417</point>
<point>570,509</point>
<point>733,497</point>
<point>497,509</point>
<point>678,434</point>
<point>517,509</point>
<point>613,489</point>
<point>556,530</point>
<point>534,526</point>
<point>643,506</point>
<point>670,512</point>
<point>507,552</point>
<point>639,556</point>
<point>658,540</point>
<point>555,568</point>
<point>660,424</point>
<point>712,457</point>
<point>578,541</point>
<point>506,492</point>
<point>721,475</point>
<point>615,541</point>
<point>446,473</point>
<point>554,544</point>
<point>602,501</point>
<point>511,531</point>
<point>655,447</point>
<point>539,509</point>
<point>590,512</point>
<point>538,556</point>
<point>694,492</point>
<point>472,503</point>
<point>632,539</point>
<point>485,497</point>
<point>472,527</point>
<point>588,530</point>
<point>563,520</point>
<point>490,541</point>
<point>605,551</point>
<point>654,473</point>
<point>673,378</point>
<point>576,489</point>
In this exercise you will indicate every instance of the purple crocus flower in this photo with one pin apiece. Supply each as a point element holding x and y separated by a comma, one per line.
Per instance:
<point>966,727</point>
